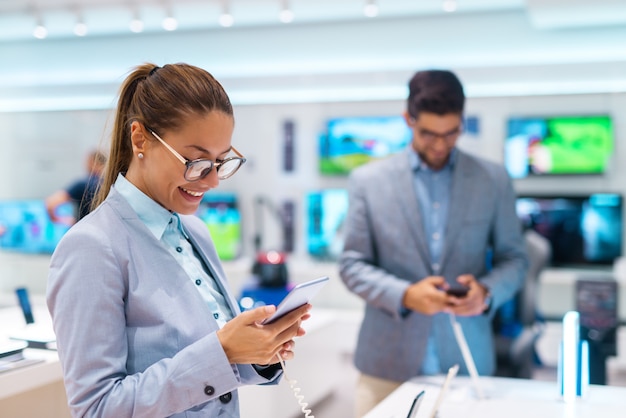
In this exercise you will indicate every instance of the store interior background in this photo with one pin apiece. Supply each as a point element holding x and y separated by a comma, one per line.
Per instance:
<point>515,58</point>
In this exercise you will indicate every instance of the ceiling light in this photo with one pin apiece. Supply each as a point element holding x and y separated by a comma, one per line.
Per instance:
<point>40,31</point>
<point>226,19</point>
<point>370,9</point>
<point>286,15</point>
<point>80,28</point>
<point>449,6</point>
<point>169,23</point>
<point>136,24</point>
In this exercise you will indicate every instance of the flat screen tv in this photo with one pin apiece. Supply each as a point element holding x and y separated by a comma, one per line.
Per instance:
<point>220,213</point>
<point>25,226</point>
<point>352,141</point>
<point>558,145</point>
<point>326,211</point>
<point>582,230</point>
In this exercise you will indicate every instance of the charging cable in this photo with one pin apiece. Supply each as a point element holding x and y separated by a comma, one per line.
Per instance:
<point>467,356</point>
<point>296,390</point>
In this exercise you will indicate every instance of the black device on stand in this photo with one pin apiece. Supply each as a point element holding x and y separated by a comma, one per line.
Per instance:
<point>270,266</point>
<point>596,303</point>
<point>24,301</point>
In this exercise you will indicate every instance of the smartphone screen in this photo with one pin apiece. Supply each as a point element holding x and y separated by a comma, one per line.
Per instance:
<point>458,290</point>
<point>298,296</point>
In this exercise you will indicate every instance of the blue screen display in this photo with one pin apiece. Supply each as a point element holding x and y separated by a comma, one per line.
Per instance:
<point>352,141</point>
<point>221,214</point>
<point>26,227</point>
<point>582,230</point>
<point>326,212</point>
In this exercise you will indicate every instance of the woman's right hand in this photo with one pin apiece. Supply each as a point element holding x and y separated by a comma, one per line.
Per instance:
<point>247,341</point>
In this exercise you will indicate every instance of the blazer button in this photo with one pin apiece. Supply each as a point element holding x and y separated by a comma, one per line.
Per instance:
<point>225,398</point>
<point>209,390</point>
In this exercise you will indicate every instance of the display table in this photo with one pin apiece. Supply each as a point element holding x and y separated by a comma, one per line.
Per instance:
<point>510,398</point>
<point>37,390</point>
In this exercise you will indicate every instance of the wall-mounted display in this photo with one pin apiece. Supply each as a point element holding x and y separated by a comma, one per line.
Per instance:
<point>25,226</point>
<point>352,141</point>
<point>326,212</point>
<point>583,230</point>
<point>558,145</point>
<point>220,213</point>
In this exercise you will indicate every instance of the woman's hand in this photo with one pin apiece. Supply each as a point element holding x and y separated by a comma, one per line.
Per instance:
<point>246,341</point>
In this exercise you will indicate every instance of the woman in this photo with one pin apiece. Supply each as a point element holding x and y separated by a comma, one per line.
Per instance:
<point>144,321</point>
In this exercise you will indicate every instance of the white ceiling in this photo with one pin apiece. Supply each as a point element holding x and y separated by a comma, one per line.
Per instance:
<point>106,17</point>
<point>330,52</point>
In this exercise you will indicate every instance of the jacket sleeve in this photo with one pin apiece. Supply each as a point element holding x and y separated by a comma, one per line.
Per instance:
<point>358,262</point>
<point>87,292</point>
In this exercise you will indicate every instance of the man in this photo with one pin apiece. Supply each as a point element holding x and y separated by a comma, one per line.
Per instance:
<point>419,223</point>
<point>81,192</point>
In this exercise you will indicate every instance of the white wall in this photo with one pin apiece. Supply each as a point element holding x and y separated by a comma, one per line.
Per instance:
<point>258,134</point>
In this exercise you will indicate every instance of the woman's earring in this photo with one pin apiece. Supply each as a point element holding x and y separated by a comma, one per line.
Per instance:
<point>140,155</point>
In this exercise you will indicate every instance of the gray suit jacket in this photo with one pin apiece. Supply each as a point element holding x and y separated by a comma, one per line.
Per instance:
<point>134,336</point>
<point>385,251</point>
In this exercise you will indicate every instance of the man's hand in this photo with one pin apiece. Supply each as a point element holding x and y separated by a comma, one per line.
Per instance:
<point>427,296</point>
<point>473,303</point>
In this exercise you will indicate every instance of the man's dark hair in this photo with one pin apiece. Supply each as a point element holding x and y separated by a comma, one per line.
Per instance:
<point>435,91</point>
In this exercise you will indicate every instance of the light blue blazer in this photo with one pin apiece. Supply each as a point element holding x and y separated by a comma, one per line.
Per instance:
<point>386,250</point>
<point>134,336</point>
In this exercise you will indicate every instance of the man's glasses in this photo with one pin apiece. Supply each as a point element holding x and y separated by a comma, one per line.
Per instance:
<point>431,136</point>
<point>198,169</point>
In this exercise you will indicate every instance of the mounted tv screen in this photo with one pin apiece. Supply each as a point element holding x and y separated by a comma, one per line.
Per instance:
<point>220,213</point>
<point>25,226</point>
<point>326,212</point>
<point>352,141</point>
<point>582,230</point>
<point>558,145</point>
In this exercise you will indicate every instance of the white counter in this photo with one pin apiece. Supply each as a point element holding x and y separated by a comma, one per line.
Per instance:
<point>510,398</point>
<point>37,390</point>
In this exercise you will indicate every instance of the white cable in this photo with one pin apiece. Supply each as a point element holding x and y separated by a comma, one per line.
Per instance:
<point>452,371</point>
<point>467,356</point>
<point>296,390</point>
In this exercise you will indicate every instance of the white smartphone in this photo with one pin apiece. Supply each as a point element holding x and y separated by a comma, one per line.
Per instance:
<point>298,296</point>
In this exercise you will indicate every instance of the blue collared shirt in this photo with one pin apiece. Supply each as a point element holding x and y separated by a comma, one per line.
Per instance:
<point>433,188</point>
<point>167,228</point>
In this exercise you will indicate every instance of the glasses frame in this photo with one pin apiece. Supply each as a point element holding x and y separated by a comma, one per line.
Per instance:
<point>189,163</point>
<point>429,136</point>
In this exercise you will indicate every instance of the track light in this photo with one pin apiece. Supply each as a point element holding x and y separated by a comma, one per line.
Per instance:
<point>226,18</point>
<point>286,14</point>
<point>80,28</point>
<point>370,9</point>
<point>169,23</point>
<point>40,31</point>
<point>136,24</point>
<point>449,6</point>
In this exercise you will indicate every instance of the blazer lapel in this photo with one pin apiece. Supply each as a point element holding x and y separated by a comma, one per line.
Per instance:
<point>460,199</point>
<point>404,189</point>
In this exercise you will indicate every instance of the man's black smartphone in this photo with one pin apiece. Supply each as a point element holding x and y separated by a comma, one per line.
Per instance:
<point>458,291</point>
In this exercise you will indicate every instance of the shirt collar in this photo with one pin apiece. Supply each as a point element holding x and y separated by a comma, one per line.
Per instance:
<point>154,216</point>
<point>417,164</point>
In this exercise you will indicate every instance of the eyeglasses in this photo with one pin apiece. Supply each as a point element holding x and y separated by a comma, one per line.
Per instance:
<point>198,169</point>
<point>431,136</point>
